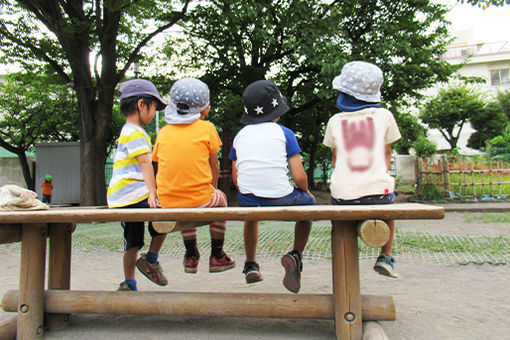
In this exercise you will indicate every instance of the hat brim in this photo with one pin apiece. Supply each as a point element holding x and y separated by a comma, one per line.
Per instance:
<point>279,111</point>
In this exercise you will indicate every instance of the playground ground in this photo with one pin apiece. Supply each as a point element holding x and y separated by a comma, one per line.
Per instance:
<point>435,296</point>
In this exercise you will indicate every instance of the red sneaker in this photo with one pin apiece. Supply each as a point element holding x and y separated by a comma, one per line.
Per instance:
<point>220,265</point>
<point>190,264</point>
<point>153,272</point>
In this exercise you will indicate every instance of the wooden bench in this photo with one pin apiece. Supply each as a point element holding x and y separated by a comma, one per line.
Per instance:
<point>346,306</point>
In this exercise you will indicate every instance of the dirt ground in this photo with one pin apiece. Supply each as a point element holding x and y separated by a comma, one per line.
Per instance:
<point>433,300</point>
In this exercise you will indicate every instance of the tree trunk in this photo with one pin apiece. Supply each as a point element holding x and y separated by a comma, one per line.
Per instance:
<point>25,168</point>
<point>225,163</point>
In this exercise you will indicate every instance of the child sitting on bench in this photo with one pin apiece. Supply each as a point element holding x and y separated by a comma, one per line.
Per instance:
<point>361,136</point>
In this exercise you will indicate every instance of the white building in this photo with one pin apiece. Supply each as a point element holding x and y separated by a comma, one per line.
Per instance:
<point>487,60</point>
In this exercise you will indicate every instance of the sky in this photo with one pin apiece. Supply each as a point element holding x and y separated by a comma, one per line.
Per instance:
<point>489,25</point>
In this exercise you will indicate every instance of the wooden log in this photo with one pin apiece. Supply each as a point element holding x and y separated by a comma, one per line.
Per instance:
<point>301,306</point>
<point>8,328</point>
<point>395,211</point>
<point>173,226</point>
<point>31,283</point>
<point>375,233</point>
<point>372,330</point>
<point>59,268</point>
<point>10,233</point>
<point>346,293</point>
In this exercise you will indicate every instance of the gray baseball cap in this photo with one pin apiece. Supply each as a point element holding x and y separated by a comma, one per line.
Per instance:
<point>361,80</point>
<point>141,88</point>
<point>189,95</point>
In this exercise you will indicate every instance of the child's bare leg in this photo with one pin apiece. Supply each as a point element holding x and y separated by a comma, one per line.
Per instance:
<point>157,243</point>
<point>251,234</point>
<point>301,233</point>
<point>386,249</point>
<point>129,262</point>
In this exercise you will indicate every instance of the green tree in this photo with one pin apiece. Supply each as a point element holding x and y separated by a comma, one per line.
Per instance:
<point>450,110</point>
<point>302,45</point>
<point>488,123</point>
<point>90,45</point>
<point>35,109</point>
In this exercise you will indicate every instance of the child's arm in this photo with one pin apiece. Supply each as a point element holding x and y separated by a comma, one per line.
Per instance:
<point>333,158</point>
<point>234,173</point>
<point>215,168</point>
<point>298,174</point>
<point>387,155</point>
<point>148,177</point>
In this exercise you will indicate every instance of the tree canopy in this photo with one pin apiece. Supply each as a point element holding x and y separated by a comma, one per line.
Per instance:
<point>90,45</point>
<point>35,109</point>
<point>302,45</point>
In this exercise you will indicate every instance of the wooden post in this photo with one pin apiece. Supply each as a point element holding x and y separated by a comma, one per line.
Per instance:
<point>8,328</point>
<point>31,284</point>
<point>346,294</point>
<point>59,268</point>
<point>375,233</point>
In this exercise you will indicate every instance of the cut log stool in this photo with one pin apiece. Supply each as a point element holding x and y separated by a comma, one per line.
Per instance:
<point>375,233</point>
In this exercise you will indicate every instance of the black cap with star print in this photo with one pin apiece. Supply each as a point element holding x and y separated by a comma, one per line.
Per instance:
<point>263,102</point>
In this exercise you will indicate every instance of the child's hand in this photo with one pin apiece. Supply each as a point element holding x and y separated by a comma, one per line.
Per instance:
<point>309,193</point>
<point>153,201</point>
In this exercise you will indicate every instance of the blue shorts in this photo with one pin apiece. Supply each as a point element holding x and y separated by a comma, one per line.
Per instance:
<point>373,199</point>
<point>296,197</point>
<point>134,231</point>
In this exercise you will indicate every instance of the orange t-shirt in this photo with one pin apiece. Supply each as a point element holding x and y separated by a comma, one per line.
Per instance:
<point>184,175</point>
<point>47,186</point>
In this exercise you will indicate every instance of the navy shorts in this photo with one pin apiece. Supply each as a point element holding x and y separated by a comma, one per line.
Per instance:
<point>134,231</point>
<point>296,197</point>
<point>373,199</point>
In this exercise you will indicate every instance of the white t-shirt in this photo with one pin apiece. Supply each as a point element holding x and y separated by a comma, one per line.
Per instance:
<point>360,138</point>
<point>261,152</point>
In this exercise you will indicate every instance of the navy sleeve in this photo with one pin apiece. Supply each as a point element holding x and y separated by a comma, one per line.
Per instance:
<point>232,155</point>
<point>290,142</point>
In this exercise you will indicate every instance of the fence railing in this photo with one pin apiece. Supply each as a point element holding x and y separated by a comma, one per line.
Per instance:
<point>455,177</point>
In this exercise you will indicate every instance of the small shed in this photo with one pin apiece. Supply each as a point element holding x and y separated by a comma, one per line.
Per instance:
<point>62,162</point>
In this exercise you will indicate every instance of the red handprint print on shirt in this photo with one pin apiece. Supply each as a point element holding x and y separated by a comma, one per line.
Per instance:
<point>358,138</point>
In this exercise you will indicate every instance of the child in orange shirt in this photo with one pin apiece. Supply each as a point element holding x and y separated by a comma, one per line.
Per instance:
<point>185,158</point>
<point>47,186</point>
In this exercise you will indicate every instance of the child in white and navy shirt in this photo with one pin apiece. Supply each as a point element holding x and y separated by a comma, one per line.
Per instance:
<point>260,155</point>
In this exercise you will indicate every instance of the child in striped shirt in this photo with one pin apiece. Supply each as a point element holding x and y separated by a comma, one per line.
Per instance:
<point>133,184</point>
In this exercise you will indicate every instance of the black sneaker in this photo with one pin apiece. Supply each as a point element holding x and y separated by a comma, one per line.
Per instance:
<point>293,267</point>
<point>251,272</point>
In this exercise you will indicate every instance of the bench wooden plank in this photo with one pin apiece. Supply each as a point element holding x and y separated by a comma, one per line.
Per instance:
<point>292,213</point>
<point>302,306</point>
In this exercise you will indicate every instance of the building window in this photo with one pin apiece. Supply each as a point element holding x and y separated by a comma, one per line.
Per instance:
<point>500,77</point>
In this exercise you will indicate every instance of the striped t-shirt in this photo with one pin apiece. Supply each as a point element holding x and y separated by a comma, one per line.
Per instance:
<point>127,185</point>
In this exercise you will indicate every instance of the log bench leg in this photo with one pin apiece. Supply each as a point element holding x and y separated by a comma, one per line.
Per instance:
<point>346,286</point>
<point>31,284</point>
<point>59,268</point>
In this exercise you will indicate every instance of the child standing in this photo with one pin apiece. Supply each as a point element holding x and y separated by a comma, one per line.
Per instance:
<point>260,154</point>
<point>361,137</point>
<point>133,184</point>
<point>47,186</point>
<point>187,167</point>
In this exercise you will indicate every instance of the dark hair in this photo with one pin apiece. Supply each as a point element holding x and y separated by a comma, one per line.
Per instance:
<point>130,104</point>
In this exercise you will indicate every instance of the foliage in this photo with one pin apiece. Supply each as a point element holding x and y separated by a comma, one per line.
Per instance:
<point>302,45</point>
<point>450,110</point>
<point>488,123</point>
<point>486,3</point>
<point>410,129</point>
<point>424,147</point>
<point>35,109</point>
<point>429,192</point>
<point>90,45</point>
